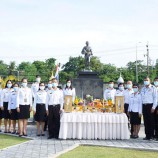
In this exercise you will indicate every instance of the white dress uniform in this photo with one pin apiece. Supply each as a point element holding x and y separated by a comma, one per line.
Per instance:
<point>4,101</point>
<point>135,104</point>
<point>54,102</point>
<point>149,99</point>
<point>34,88</point>
<point>119,93</point>
<point>40,98</point>
<point>71,92</point>
<point>40,106</point>
<point>54,97</point>
<point>135,108</point>
<point>12,105</point>
<point>24,101</point>
<point>127,94</point>
<point>1,115</point>
<point>109,94</point>
<point>149,95</point>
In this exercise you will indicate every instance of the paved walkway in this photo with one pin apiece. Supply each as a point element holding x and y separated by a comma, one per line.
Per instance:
<point>41,147</point>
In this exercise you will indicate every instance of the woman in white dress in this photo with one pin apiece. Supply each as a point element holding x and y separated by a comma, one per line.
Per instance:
<point>24,107</point>
<point>4,104</point>
<point>39,108</point>
<point>69,90</point>
<point>12,107</point>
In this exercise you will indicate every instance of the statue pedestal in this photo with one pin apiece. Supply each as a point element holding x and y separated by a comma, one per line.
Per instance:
<point>88,82</point>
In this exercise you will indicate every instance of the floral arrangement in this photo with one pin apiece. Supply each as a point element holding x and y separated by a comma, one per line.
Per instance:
<point>89,98</point>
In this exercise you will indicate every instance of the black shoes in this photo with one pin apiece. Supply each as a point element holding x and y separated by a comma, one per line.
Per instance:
<point>50,137</point>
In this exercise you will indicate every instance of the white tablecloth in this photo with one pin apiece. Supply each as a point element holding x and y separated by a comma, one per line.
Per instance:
<point>78,125</point>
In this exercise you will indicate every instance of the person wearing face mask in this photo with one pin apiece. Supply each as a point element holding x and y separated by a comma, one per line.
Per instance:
<point>120,91</point>
<point>109,93</point>
<point>12,107</point>
<point>1,112</point>
<point>135,111</point>
<point>156,112</point>
<point>69,90</point>
<point>35,86</point>
<point>49,88</point>
<point>149,99</point>
<point>24,107</point>
<point>4,105</point>
<point>127,94</point>
<point>54,106</point>
<point>40,109</point>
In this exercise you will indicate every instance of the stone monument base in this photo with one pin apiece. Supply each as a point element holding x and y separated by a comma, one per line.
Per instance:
<point>88,83</point>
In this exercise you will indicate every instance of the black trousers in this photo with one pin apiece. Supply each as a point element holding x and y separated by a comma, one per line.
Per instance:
<point>148,120</point>
<point>156,122</point>
<point>54,120</point>
<point>126,111</point>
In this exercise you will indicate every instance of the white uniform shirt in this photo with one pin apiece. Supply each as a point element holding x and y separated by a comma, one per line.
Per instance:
<point>135,103</point>
<point>71,92</point>
<point>127,94</point>
<point>24,97</point>
<point>149,95</point>
<point>12,100</point>
<point>54,97</point>
<point>40,98</point>
<point>5,95</point>
<point>119,93</point>
<point>34,88</point>
<point>109,94</point>
<point>0,96</point>
<point>157,95</point>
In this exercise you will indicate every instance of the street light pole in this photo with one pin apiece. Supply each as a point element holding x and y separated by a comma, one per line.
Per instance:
<point>136,66</point>
<point>147,59</point>
<point>137,62</point>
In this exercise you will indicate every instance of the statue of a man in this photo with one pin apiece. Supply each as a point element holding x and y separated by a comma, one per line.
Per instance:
<point>87,51</point>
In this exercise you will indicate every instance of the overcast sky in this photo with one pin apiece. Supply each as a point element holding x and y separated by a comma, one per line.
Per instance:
<point>39,29</point>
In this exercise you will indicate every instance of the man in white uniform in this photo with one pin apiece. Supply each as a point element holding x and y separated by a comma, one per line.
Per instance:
<point>109,93</point>
<point>149,99</point>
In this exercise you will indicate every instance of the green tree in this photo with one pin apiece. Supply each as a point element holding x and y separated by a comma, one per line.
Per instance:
<point>3,69</point>
<point>12,67</point>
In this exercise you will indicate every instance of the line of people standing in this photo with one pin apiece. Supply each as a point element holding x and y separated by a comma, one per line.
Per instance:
<point>138,102</point>
<point>16,103</point>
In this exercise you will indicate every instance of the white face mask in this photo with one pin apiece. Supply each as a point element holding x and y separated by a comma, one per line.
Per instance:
<point>9,85</point>
<point>111,85</point>
<point>129,86</point>
<point>42,87</point>
<point>156,83</point>
<point>24,84</point>
<point>68,84</point>
<point>38,80</point>
<point>49,85</point>
<point>54,84</point>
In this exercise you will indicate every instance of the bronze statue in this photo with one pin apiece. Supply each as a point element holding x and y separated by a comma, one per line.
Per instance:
<point>87,51</point>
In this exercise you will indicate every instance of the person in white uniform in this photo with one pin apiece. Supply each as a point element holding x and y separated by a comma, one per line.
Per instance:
<point>24,107</point>
<point>135,110</point>
<point>54,106</point>
<point>39,108</point>
<point>149,99</point>
<point>109,93</point>
<point>156,112</point>
<point>69,90</point>
<point>120,91</point>
<point>35,86</point>
<point>4,105</point>
<point>1,112</point>
<point>12,107</point>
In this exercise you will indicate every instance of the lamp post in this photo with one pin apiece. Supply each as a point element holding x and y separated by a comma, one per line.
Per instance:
<point>137,62</point>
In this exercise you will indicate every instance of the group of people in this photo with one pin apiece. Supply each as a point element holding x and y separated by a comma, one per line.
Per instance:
<point>137,102</point>
<point>17,101</point>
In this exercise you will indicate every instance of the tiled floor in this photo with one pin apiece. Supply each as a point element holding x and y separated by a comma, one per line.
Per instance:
<point>41,147</point>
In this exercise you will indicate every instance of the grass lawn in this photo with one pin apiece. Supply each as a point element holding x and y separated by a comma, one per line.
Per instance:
<point>6,140</point>
<point>107,152</point>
